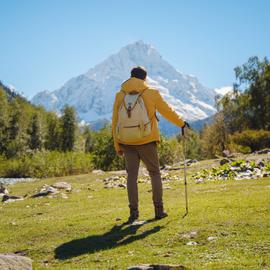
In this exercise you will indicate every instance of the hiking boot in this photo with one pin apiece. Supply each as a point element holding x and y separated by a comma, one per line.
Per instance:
<point>134,215</point>
<point>160,213</point>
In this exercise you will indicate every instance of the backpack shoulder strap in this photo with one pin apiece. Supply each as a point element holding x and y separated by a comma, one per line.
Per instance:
<point>143,91</point>
<point>124,92</point>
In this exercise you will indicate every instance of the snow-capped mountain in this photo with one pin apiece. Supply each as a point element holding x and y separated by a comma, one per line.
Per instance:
<point>92,94</point>
<point>224,90</point>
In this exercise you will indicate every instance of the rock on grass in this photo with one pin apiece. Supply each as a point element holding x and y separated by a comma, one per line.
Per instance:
<point>62,185</point>
<point>15,262</point>
<point>157,267</point>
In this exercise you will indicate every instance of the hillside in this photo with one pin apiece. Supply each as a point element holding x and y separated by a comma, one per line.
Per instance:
<point>12,93</point>
<point>227,227</point>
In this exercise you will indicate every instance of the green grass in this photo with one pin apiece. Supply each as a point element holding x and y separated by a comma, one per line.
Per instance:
<point>81,233</point>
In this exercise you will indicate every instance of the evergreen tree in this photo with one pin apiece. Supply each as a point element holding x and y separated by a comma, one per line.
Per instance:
<point>16,133</point>
<point>68,128</point>
<point>89,140</point>
<point>14,123</point>
<point>53,132</point>
<point>34,132</point>
<point>3,121</point>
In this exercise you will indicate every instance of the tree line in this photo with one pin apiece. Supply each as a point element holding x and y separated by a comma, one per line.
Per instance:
<point>25,127</point>
<point>34,142</point>
<point>242,121</point>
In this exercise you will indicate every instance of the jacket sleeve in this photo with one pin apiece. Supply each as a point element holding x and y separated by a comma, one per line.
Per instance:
<point>166,111</point>
<point>114,123</point>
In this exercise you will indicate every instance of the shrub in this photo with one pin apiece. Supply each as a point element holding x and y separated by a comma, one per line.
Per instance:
<point>46,164</point>
<point>2,164</point>
<point>254,139</point>
<point>165,152</point>
<point>104,156</point>
<point>214,137</point>
<point>239,148</point>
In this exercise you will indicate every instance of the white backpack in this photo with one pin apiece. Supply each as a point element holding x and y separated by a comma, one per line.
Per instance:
<point>133,121</point>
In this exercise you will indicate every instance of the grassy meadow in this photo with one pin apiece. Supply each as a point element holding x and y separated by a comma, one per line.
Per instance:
<point>87,230</point>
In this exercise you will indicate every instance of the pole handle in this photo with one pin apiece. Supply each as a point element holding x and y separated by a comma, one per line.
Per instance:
<point>185,126</point>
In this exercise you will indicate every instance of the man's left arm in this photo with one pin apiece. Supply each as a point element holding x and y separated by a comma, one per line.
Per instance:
<point>166,111</point>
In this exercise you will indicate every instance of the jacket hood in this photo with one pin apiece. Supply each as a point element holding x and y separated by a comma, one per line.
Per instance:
<point>134,85</point>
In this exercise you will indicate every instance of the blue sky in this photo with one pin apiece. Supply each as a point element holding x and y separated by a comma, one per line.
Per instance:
<point>45,43</point>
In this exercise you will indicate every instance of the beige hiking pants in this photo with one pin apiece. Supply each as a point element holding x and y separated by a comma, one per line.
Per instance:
<point>148,154</point>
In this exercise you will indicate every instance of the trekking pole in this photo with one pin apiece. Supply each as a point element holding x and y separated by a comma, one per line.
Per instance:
<point>185,171</point>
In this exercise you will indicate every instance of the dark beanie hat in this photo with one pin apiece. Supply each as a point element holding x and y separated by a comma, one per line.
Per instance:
<point>139,72</point>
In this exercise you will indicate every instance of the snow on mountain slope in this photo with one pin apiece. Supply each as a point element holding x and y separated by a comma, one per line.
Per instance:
<point>224,90</point>
<point>92,94</point>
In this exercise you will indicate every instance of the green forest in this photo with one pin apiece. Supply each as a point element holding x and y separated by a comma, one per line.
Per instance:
<point>37,143</point>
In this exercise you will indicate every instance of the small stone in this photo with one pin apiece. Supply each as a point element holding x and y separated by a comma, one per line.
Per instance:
<point>211,238</point>
<point>191,243</point>
<point>191,161</point>
<point>141,267</point>
<point>193,234</point>
<point>45,191</point>
<point>62,185</point>
<point>122,185</point>
<point>157,267</point>
<point>234,168</point>
<point>141,222</point>
<point>199,181</point>
<point>224,161</point>
<point>260,163</point>
<point>189,235</point>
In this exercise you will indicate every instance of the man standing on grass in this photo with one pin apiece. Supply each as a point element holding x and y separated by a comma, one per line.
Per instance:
<point>135,133</point>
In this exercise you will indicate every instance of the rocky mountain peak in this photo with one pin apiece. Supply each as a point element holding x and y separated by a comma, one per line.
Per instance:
<point>92,94</point>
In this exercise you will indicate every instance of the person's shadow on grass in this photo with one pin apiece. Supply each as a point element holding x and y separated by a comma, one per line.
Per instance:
<point>118,235</point>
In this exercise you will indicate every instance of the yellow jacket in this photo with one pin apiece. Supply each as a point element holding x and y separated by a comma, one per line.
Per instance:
<point>153,102</point>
